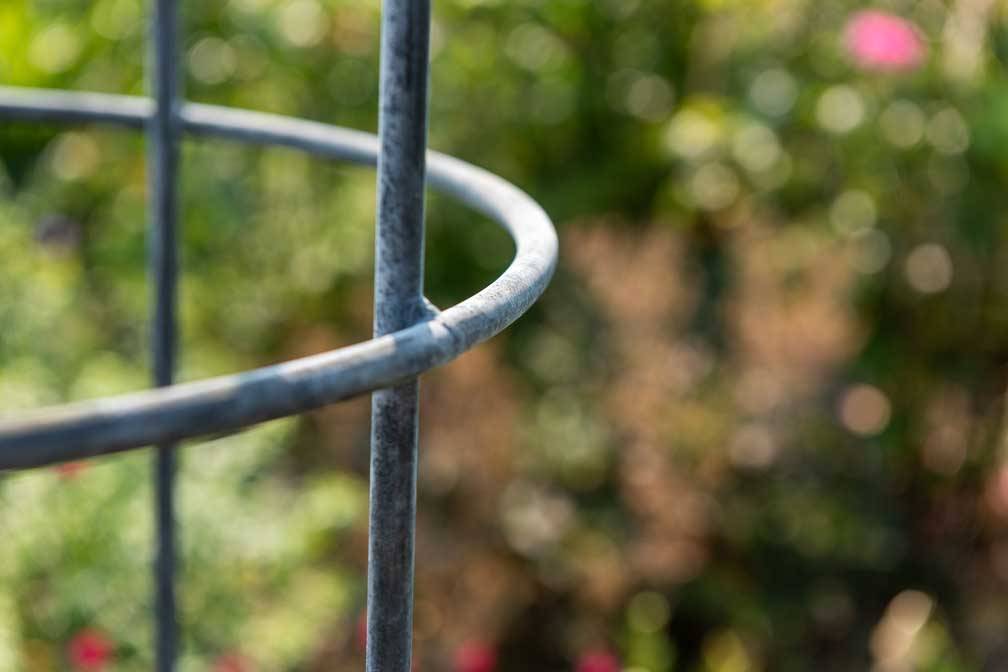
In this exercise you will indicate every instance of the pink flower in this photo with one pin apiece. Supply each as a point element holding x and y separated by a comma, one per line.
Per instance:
<point>883,42</point>
<point>475,657</point>
<point>232,662</point>
<point>598,661</point>
<point>90,650</point>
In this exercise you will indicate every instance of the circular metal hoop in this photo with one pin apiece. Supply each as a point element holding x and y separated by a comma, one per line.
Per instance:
<point>225,403</point>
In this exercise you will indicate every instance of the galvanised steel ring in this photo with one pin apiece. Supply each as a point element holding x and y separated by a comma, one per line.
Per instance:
<point>226,403</point>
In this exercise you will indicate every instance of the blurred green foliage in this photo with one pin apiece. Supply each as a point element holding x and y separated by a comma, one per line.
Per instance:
<point>757,423</point>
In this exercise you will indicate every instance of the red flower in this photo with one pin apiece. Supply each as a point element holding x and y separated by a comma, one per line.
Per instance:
<point>475,657</point>
<point>232,662</point>
<point>598,661</point>
<point>90,650</point>
<point>70,470</point>
<point>362,631</point>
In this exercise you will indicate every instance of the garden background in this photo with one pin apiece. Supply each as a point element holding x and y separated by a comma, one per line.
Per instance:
<point>756,423</point>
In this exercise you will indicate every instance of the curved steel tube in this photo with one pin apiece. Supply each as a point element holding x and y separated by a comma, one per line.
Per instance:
<point>230,402</point>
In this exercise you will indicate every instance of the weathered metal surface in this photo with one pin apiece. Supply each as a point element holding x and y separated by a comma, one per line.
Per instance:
<point>411,335</point>
<point>221,404</point>
<point>399,263</point>
<point>163,135</point>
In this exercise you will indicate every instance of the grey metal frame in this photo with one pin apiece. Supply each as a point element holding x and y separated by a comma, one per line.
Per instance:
<point>163,137</point>
<point>411,335</point>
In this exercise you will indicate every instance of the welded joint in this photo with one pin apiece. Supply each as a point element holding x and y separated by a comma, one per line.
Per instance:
<point>428,310</point>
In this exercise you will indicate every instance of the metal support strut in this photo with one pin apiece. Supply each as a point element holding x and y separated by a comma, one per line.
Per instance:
<point>399,262</point>
<point>163,132</point>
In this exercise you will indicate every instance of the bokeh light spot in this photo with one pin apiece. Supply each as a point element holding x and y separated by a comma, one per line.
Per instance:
<point>649,97</point>
<point>865,410</point>
<point>753,447</point>
<point>75,156</point>
<point>852,212</point>
<point>56,49</point>
<point>302,22</point>
<point>756,147</point>
<point>947,132</point>
<point>692,134</point>
<point>929,268</point>
<point>212,60</point>
<point>840,109</point>
<point>116,19</point>
<point>648,611</point>
<point>893,639</point>
<point>872,251</point>
<point>902,124</point>
<point>725,651</point>
<point>714,186</point>
<point>773,92</point>
<point>534,48</point>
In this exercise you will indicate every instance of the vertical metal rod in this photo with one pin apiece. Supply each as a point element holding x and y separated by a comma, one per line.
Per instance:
<point>399,252</point>
<point>162,171</point>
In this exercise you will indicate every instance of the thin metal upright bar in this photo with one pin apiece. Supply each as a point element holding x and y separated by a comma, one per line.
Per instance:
<point>163,133</point>
<point>399,252</point>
